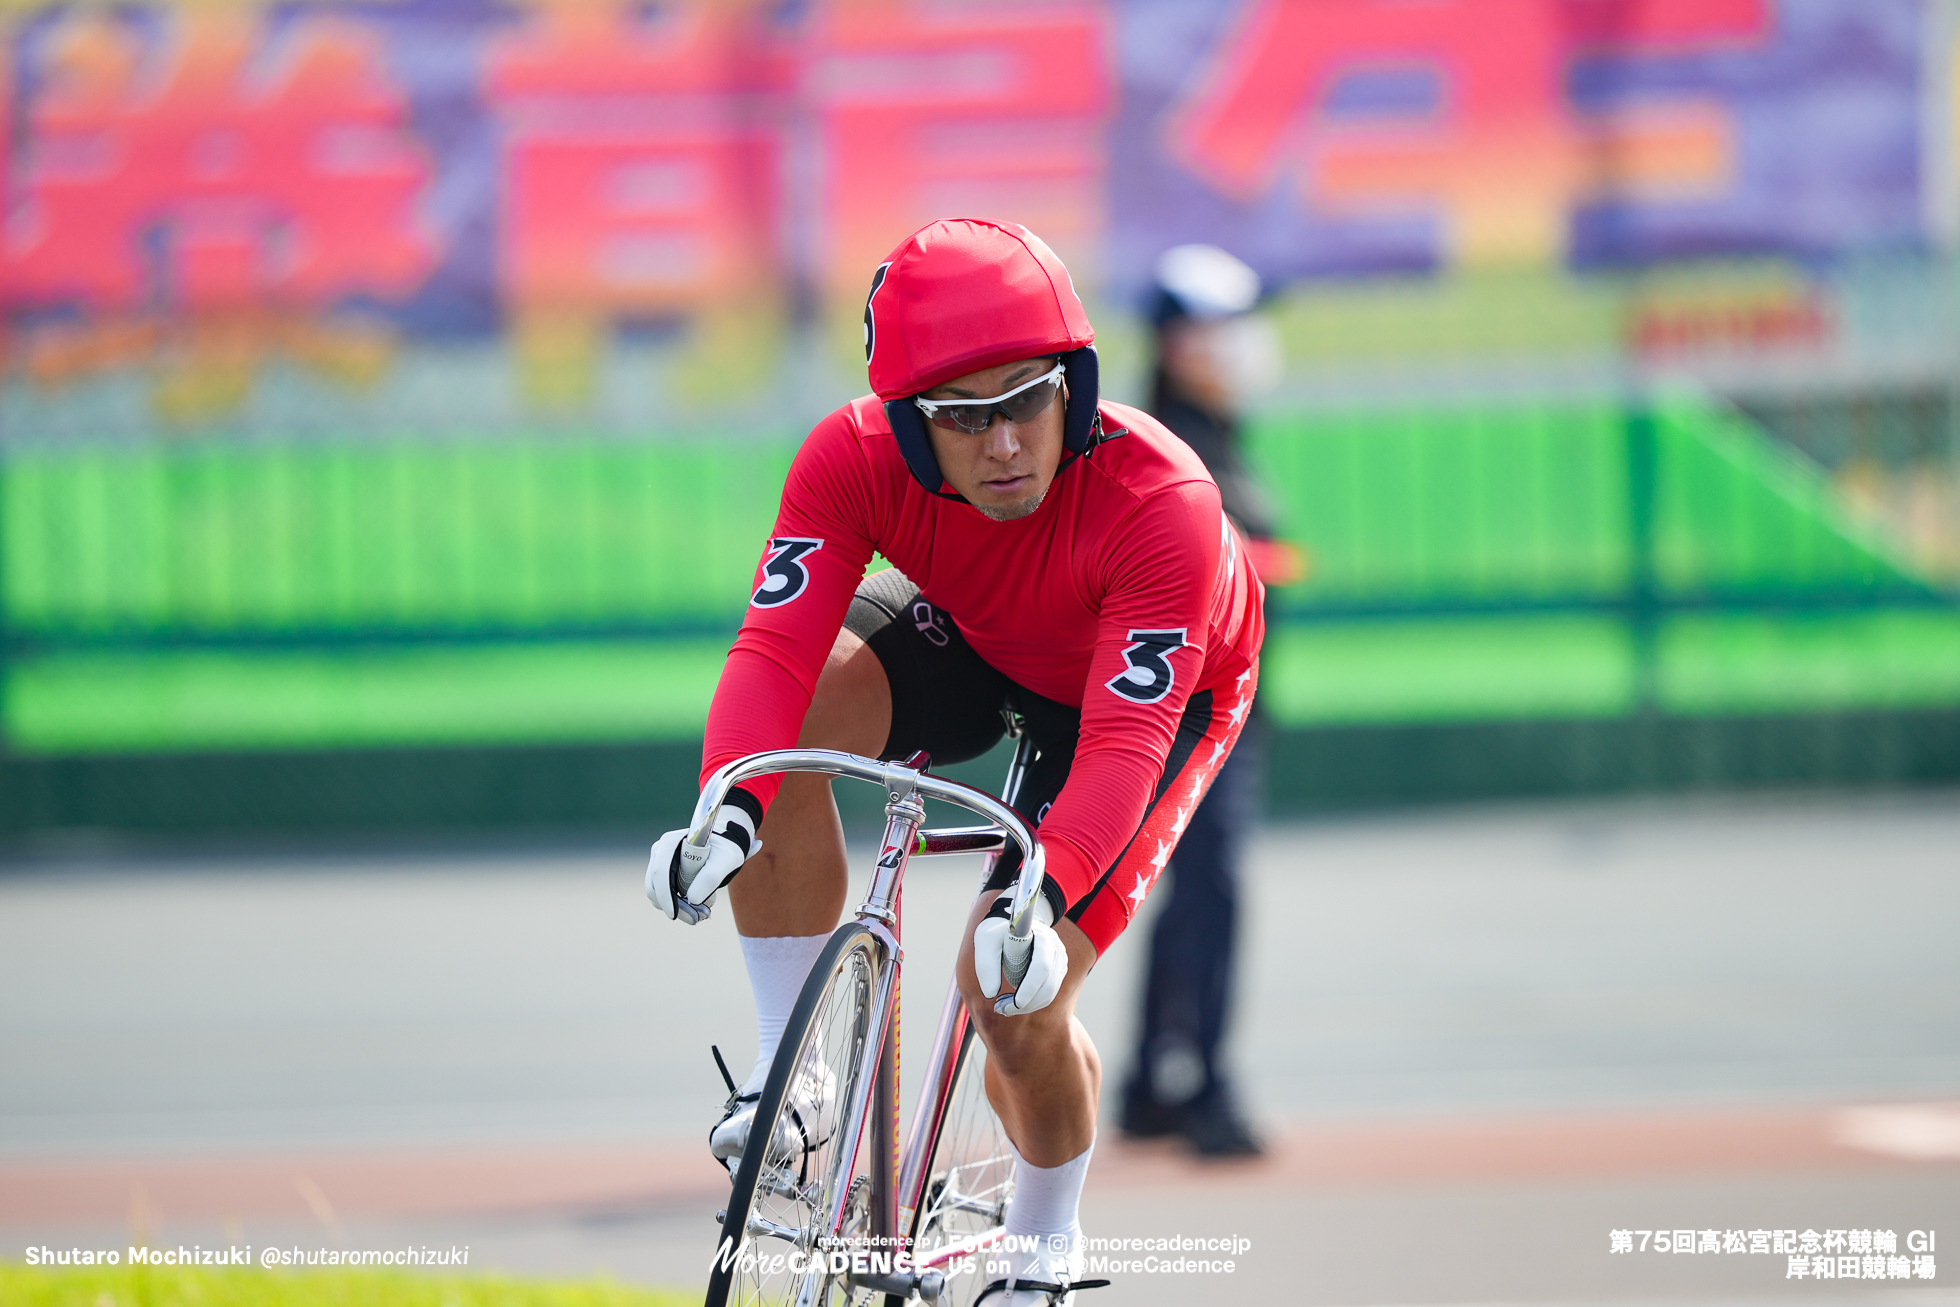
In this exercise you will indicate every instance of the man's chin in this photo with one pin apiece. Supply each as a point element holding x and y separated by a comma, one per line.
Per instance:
<point>1013,512</point>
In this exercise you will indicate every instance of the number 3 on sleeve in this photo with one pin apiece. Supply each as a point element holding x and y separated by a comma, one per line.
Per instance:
<point>783,573</point>
<point>1148,676</point>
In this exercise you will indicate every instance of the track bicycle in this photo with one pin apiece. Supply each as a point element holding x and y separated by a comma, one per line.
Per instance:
<point>826,1209</point>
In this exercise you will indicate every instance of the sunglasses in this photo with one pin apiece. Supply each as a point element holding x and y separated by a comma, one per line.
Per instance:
<point>974,416</point>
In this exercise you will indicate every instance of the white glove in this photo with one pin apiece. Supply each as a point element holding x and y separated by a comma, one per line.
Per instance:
<point>1035,967</point>
<point>682,880</point>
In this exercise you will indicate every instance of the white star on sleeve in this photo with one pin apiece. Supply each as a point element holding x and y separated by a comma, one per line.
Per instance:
<point>1144,882</point>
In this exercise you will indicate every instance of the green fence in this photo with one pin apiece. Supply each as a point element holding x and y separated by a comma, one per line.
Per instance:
<point>1581,562</point>
<point>1503,564</point>
<point>304,596</point>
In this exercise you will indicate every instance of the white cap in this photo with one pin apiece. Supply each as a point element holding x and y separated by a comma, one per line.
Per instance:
<point>1206,282</point>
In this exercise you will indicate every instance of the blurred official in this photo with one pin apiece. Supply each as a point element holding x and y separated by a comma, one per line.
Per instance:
<point>1215,352</point>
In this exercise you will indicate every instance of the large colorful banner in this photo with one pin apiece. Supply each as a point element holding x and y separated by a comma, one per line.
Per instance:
<point>459,216</point>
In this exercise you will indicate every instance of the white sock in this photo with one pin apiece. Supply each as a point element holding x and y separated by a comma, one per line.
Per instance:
<point>1047,1198</point>
<point>778,966</point>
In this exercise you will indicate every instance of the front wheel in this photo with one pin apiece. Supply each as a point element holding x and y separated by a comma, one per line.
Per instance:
<point>795,1171</point>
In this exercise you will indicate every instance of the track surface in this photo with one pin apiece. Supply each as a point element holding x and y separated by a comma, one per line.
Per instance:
<point>1482,1039</point>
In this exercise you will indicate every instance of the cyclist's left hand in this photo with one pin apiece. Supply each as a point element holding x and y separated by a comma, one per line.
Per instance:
<point>1041,961</point>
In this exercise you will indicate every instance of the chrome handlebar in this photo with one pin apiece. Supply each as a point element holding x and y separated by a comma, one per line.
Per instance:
<point>900,782</point>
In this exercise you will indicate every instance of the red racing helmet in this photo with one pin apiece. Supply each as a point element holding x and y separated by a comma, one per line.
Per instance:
<point>962,294</point>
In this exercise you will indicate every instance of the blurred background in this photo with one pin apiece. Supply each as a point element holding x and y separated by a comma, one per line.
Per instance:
<point>394,398</point>
<point>394,395</point>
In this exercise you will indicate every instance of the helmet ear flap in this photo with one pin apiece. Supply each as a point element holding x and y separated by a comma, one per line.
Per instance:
<point>1084,395</point>
<point>909,429</point>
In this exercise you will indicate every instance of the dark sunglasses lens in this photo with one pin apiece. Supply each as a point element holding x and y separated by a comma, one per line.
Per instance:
<point>1021,407</point>
<point>971,418</point>
<point>975,418</point>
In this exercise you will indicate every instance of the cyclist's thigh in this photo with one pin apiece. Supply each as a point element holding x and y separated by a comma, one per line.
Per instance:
<point>945,698</point>
<point>851,706</point>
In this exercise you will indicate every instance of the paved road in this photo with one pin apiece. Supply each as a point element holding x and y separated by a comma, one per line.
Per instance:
<point>270,1019</point>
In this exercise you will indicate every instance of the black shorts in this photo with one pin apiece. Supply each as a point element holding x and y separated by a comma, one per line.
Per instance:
<point>951,703</point>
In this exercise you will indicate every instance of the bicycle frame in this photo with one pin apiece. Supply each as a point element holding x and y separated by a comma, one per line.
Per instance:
<point>898,1181</point>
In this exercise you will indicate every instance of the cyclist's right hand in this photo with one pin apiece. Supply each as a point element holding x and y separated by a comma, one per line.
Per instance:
<point>1034,967</point>
<point>682,880</point>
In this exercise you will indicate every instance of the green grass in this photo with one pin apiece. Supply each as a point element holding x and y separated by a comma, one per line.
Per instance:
<point>144,1286</point>
<point>1344,673</point>
<point>194,700</point>
<point>1726,663</point>
<point>1352,673</point>
<point>1513,668</point>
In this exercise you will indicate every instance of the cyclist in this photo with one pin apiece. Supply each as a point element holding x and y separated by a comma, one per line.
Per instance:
<point>1056,555</point>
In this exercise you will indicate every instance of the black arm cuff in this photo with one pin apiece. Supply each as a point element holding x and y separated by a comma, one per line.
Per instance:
<point>1049,890</point>
<point>748,803</point>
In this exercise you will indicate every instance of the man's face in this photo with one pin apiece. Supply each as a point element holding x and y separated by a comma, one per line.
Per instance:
<point>1222,364</point>
<point>1005,470</point>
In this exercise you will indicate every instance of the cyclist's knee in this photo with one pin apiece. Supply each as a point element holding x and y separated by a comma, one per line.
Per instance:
<point>1018,1045</point>
<point>1024,1042</point>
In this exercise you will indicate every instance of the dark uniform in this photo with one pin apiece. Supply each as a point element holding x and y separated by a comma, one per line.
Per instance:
<point>1177,1085</point>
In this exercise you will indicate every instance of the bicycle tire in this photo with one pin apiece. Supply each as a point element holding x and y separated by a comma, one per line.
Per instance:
<point>969,1178</point>
<point>786,1183</point>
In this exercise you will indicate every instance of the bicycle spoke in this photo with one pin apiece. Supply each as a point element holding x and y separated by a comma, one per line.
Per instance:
<point>972,1177</point>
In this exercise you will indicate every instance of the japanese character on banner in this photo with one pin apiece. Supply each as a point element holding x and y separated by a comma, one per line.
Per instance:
<point>197,189</point>
<point>641,161</point>
<point>932,110</point>
<point>1503,157</point>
